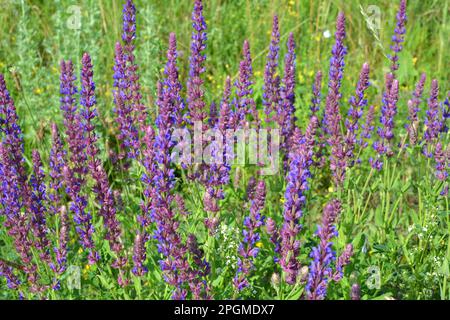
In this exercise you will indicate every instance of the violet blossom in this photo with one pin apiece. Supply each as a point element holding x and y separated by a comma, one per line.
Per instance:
<point>245,104</point>
<point>271,94</point>
<point>248,249</point>
<point>128,133</point>
<point>399,36</point>
<point>131,71</point>
<point>433,121</point>
<point>38,208</point>
<point>383,146</point>
<point>300,160</point>
<point>323,255</point>
<point>355,112</point>
<point>413,110</point>
<point>195,92</point>
<point>102,190</point>
<point>286,111</point>
<point>332,117</point>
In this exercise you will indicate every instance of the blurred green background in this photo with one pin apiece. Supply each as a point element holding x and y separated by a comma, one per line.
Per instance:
<point>36,35</point>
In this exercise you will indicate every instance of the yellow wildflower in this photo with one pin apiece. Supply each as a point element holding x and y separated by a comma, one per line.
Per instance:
<point>38,91</point>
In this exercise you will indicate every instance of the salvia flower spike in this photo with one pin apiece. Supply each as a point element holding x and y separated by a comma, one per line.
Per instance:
<point>248,249</point>
<point>413,110</point>
<point>102,189</point>
<point>139,112</point>
<point>332,117</point>
<point>286,111</point>
<point>399,36</point>
<point>245,104</point>
<point>323,256</point>
<point>300,160</point>
<point>433,121</point>
<point>271,79</point>
<point>195,102</point>
<point>357,104</point>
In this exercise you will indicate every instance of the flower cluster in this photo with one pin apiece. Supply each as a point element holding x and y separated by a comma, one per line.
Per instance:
<point>433,122</point>
<point>413,110</point>
<point>355,112</point>
<point>399,36</point>
<point>332,117</point>
<point>320,271</point>
<point>195,102</point>
<point>271,88</point>
<point>248,249</point>
<point>386,131</point>
<point>297,184</point>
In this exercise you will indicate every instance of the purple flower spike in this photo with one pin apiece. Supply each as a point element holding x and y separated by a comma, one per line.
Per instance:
<point>248,249</point>
<point>446,113</point>
<point>272,231</point>
<point>300,160</point>
<point>399,36</point>
<point>286,111</point>
<point>227,119</point>
<point>82,217</point>
<point>148,160</point>
<point>332,118</point>
<point>102,190</point>
<point>356,292</point>
<point>357,104</point>
<point>140,254</point>
<point>388,112</point>
<point>316,94</point>
<point>132,76</point>
<point>141,238</point>
<point>367,127</point>
<point>320,271</point>
<point>174,264</point>
<point>441,162</point>
<point>199,287</point>
<point>271,94</point>
<point>413,110</point>
<point>57,162</point>
<point>12,138</point>
<point>195,93</point>
<point>213,116</point>
<point>433,122</point>
<point>38,209</point>
<point>245,104</point>
<point>7,272</point>
<point>16,222</point>
<point>72,122</point>
<point>172,82</point>
<point>342,261</point>
<point>61,249</point>
<point>332,112</point>
<point>128,133</point>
